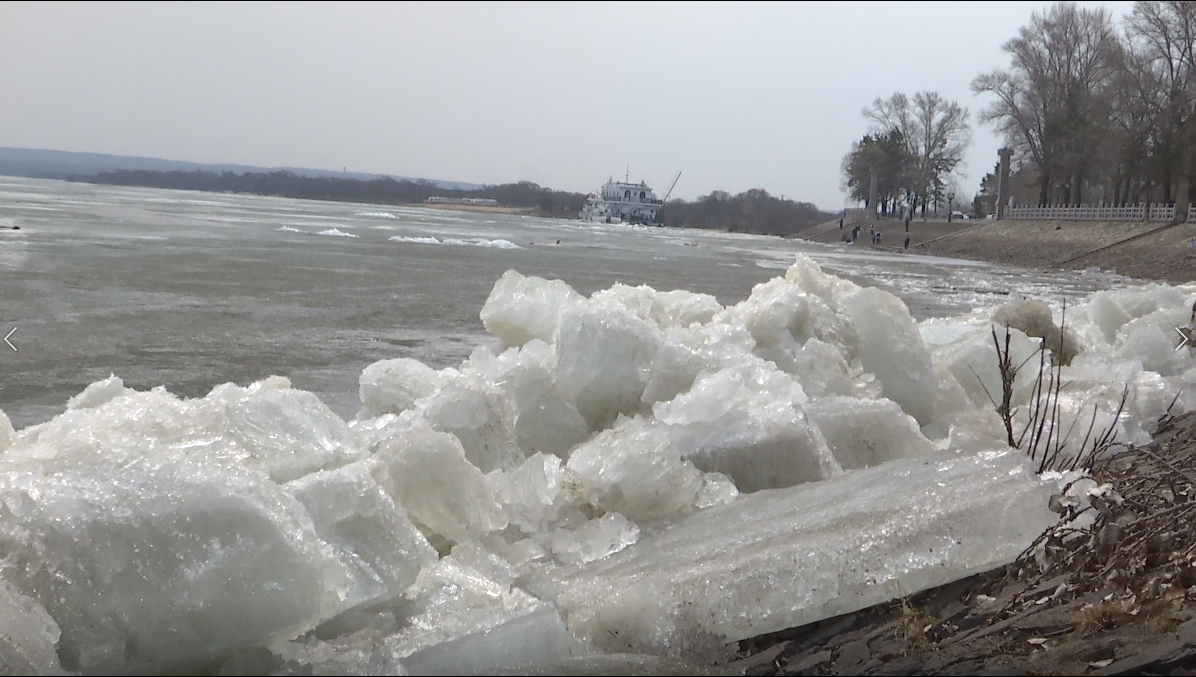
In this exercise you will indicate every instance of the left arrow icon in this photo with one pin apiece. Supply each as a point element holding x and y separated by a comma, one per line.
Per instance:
<point>8,336</point>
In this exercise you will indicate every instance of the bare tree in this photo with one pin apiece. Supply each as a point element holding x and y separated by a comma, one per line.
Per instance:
<point>1160,66</point>
<point>1052,102</point>
<point>936,134</point>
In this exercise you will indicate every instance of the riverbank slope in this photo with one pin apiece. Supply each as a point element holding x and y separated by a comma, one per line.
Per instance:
<point>1147,250</point>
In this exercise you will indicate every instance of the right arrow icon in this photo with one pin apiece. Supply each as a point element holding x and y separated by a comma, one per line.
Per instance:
<point>8,336</point>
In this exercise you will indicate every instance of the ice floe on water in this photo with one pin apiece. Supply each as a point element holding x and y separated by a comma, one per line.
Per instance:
<point>471,242</point>
<point>634,478</point>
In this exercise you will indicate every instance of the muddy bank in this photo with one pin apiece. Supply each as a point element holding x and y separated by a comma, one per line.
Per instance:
<point>1149,251</point>
<point>1144,250</point>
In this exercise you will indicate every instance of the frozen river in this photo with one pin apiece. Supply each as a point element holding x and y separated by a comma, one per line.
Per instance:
<point>189,290</point>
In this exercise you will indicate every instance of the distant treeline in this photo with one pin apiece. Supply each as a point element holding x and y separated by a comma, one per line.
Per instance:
<point>754,211</point>
<point>543,201</point>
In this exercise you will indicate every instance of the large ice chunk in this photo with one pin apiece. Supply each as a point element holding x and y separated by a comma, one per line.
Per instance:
<point>393,386</point>
<point>805,335</point>
<point>892,348</point>
<point>480,414</point>
<point>289,433</point>
<point>822,370</point>
<point>684,308</point>
<point>1151,340</point>
<point>641,302</point>
<point>164,565</point>
<point>786,557</point>
<point>427,473</point>
<point>593,540</point>
<point>807,274</point>
<point>521,308</point>
<point>685,353</point>
<point>1110,310</point>
<point>545,418</point>
<point>863,433</point>
<point>972,360</point>
<point>604,360</point>
<point>268,426</point>
<point>124,429</point>
<point>453,619</point>
<point>1106,314</point>
<point>748,424</point>
<point>531,495</point>
<point>1034,318</point>
<point>782,316</point>
<point>634,469</point>
<point>678,308</point>
<point>452,600</point>
<point>371,534</point>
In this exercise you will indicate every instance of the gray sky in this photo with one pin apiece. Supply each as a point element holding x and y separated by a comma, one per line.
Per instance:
<point>735,95</point>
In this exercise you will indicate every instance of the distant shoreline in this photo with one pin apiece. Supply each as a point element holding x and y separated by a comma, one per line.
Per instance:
<point>495,209</point>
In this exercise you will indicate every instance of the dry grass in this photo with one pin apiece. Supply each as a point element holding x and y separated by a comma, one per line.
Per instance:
<point>1103,616</point>
<point>914,624</point>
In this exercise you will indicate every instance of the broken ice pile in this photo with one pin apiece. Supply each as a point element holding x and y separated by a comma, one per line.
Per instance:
<point>636,473</point>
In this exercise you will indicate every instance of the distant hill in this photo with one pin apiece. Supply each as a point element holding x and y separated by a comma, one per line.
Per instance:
<point>38,163</point>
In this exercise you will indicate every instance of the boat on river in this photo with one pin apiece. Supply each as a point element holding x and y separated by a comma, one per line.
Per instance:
<point>624,202</point>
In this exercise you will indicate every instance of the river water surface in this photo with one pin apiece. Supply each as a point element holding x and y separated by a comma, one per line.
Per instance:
<point>188,290</point>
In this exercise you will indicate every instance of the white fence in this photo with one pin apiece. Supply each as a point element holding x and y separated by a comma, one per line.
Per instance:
<point>1158,212</point>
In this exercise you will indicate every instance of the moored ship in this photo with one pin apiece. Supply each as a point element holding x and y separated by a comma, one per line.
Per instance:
<point>623,202</point>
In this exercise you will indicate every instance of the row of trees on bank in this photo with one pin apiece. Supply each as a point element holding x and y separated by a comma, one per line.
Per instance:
<point>1098,112</point>
<point>386,190</point>
<point>1094,112</point>
<point>754,211</point>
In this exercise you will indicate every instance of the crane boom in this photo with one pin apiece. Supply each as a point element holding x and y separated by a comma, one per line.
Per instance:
<point>675,180</point>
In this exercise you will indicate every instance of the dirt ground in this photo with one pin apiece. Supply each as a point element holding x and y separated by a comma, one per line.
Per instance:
<point>1145,250</point>
<point>1069,617</point>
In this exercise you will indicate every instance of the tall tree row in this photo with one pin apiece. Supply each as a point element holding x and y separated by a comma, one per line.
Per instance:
<point>1097,112</point>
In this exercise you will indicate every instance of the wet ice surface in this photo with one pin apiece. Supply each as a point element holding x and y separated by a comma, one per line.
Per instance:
<point>634,459</point>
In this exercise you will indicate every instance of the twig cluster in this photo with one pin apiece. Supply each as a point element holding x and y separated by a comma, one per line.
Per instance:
<point>1130,534</point>
<point>1124,527</point>
<point>1042,436</point>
